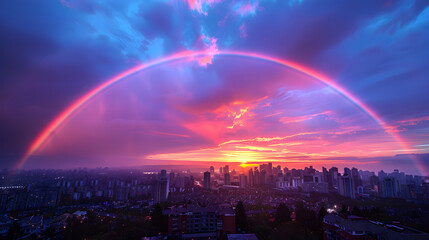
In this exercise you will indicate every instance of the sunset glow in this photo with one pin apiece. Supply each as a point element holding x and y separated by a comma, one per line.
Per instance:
<point>231,129</point>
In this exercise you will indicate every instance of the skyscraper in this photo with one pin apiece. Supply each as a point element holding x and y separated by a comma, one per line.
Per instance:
<point>270,168</point>
<point>256,179</point>
<point>207,180</point>
<point>251,177</point>
<point>381,175</point>
<point>226,169</point>
<point>211,170</point>
<point>327,177</point>
<point>356,177</point>
<point>262,177</point>
<point>389,188</point>
<point>347,171</point>
<point>161,188</point>
<point>227,179</point>
<point>285,170</point>
<point>243,181</point>
<point>346,187</point>
<point>334,174</point>
<point>373,182</point>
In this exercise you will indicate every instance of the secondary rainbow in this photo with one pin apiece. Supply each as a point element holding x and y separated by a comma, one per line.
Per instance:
<point>73,108</point>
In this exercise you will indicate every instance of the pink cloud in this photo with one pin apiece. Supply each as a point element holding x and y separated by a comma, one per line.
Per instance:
<point>243,30</point>
<point>248,8</point>
<point>289,120</point>
<point>201,5</point>
<point>210,46</point>
<point>413,121</point>
<point>398,126</point>
<point>170,134</point>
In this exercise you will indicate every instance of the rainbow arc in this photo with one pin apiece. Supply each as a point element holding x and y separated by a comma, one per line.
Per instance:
<point>67,113</point>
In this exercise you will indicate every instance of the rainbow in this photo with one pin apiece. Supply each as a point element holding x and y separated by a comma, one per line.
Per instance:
<point>73,108</point>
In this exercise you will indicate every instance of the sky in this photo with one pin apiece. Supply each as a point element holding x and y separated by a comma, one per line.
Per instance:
<point>215,107</point>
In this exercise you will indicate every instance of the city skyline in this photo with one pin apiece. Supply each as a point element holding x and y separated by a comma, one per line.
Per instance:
<point>239,167</point>
<point>211,203</point>
<point>129,86</point>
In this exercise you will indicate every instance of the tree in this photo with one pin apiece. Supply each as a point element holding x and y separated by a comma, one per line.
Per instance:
<point>49,233</point>
<point>375,213</point>
<point>356,211</point>
<point>156,218</point>
<point>159,221</point>
<point>344,209</point>
<point>282,214</point>
<point>300,212</point>
<point>260,225</point>
<point>111,235</point>
<point>240,217</point>
<point>15,231</point>
<point>311,219</point>
<point>365,212</point>
<point>322,213</point>
<point>75,229</point>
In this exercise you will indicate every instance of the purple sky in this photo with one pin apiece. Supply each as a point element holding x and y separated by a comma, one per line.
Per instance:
<point>52,53</point>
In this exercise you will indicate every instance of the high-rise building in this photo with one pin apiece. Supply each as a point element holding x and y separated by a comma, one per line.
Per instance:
<point>221,171</point>
<point>314,183</point>
<point>161,188</point>
<point>381,175</point>
<point>346,186</point>
<point>285,170</point>
<point>243,181</point>
<point>373,182</point>
<point>257,177</point>
<point>309,170</point>
<point>277,170</point>
<point>212,170</point>
<point>347,171</point>
<point>179,181</point>
<point>226,169</point>
<point>327,177</point>
<point>365,177</point>
<point>389,188</point>
<point>263,167</point>
<point>334,172</point>
<point>356,178</point>
<point>325,173</point>
<point>207,180</point>
<point>270,168</point>
<point>262,177</point>
<point>191,181</point>
<point>399,176</point>
<point>251,178</point>
<point>227,178</point>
